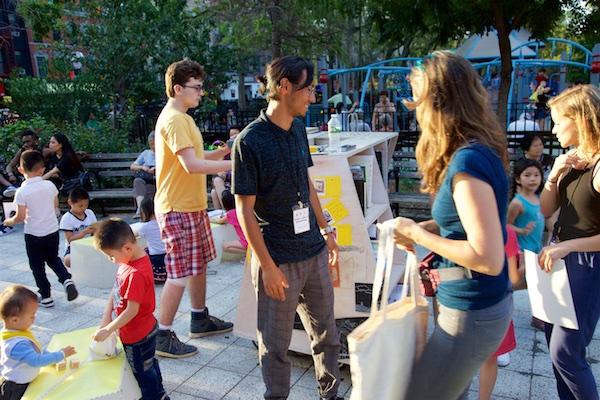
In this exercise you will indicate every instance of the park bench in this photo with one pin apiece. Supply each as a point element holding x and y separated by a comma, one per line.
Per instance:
<point>112,177</point>
<point>407,201</point>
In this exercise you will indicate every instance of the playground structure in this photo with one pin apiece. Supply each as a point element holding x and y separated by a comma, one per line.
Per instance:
<point>391,75</point>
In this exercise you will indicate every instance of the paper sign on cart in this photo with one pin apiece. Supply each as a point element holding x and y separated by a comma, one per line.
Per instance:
<point>550,292</point>
<point>328,186</point>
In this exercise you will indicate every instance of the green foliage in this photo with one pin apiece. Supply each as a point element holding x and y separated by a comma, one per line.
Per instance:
<point>105,139</point>
<point>127,46</point>
<point>10,135</point>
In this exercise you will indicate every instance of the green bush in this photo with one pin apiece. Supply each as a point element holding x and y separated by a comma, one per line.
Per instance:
<point>105,139</point>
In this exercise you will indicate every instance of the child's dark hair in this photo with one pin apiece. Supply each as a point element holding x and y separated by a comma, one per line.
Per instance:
<point>227,200</point>
<point>31,160</point>
<point>518,169</point>
<point>14,299</point>
<point>146,209</point>
<point>78,194</point>
<point>112,234</point>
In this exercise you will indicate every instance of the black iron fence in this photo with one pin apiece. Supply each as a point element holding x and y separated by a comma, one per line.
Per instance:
<point>214,126</point>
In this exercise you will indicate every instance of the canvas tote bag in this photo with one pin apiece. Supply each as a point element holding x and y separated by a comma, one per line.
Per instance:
<point>384,348</point>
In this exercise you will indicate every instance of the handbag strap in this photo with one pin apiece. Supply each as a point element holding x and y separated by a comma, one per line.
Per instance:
<point>383,271</point>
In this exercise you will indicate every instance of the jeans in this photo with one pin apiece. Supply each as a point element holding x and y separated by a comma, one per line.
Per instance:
<point>145,367</point>
<point>42,250</point>
<point>461,342</point>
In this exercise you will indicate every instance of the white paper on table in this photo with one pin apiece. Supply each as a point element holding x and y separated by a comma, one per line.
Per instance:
<point>550,293</point>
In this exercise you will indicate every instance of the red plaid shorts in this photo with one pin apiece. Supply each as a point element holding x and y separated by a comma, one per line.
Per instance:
<point>189,242</point>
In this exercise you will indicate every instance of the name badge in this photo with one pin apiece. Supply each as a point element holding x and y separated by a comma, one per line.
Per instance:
<point>301,218</point>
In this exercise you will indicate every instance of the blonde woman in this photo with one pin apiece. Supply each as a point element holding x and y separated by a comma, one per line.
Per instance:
<point>574,186</point>
<point>462,154</point>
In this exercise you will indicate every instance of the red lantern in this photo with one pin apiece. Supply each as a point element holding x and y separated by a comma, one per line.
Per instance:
<point>596,64</point>
<point>323,78</point>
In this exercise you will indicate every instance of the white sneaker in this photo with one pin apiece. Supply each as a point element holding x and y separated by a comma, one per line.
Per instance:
<point>10,191</point>
<point>503,359</point>
<point>5,230</point>
<point>137,214</point>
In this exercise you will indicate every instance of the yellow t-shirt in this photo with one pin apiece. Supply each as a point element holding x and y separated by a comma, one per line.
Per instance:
<point>176,190</point>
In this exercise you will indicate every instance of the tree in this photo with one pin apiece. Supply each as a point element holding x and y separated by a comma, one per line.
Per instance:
<point>264,29</point>
<point>128,44</point>
<point>448,21</point>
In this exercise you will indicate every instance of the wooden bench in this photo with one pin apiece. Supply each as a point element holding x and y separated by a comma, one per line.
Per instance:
<point>407,201</point>
<point>113,179</point>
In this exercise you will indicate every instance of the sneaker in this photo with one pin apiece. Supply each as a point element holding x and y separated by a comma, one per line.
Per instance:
<point>137,214</point>
<point>503,359</point>
<point>5,230</point>
<point>46,302</point>
<point>203,324</point>
<point>10,191</point>
<point>70,289</point>
<point>169,345</point>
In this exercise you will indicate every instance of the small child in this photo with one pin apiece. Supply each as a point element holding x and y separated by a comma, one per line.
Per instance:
<point>524,214</point>
<point>78,222</point>
<point>36,201</point>
<point>233,246</point>
<point>489,370</point>
<point>151,232</point>
<point>21,355</point>
<point>131,305</point>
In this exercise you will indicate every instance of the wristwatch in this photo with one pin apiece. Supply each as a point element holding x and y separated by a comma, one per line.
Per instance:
<point>326,230</point>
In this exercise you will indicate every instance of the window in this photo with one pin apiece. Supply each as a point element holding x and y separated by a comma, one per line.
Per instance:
<point>41,65</point>
<point>2,64</point>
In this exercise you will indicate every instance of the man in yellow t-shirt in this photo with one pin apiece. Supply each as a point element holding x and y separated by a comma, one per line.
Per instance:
<point>180,207</point>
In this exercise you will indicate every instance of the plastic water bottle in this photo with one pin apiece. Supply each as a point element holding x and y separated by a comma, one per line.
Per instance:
<point>334,128</point>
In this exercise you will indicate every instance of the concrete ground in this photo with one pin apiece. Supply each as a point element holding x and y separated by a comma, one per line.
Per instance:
<point>226,366</point>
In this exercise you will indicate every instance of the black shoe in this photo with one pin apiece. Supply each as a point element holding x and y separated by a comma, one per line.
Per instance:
<point>71,290</point>
<point>203,324</point>
<point>169,345</point>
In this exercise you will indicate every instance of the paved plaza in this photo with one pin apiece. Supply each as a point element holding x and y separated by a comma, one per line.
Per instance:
<point>226,366</point>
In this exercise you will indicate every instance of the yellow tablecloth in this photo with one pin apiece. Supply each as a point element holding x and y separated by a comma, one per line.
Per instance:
<point>94,379</point>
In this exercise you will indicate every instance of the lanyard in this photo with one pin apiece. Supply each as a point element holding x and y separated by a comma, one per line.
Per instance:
<point>291,168</point>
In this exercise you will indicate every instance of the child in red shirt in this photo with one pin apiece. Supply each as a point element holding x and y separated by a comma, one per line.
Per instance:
<point>516,269</point>
<point>131,305</point>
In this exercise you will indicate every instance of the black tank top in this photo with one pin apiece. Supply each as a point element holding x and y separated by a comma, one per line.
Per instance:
<point>580,205</point>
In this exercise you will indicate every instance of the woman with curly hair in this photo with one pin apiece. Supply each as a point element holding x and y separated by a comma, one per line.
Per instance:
<point>462,155</point>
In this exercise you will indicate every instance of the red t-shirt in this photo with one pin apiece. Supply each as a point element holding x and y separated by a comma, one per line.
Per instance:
<point>511,248</point>
<point>135,281</point>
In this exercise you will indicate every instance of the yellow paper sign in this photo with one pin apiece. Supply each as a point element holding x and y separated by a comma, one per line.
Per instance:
<point>343,234</point>
<point>334,211</point>
<point>328,186</point>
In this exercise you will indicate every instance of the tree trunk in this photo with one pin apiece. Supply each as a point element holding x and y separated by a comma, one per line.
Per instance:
<point>276,20</point>
<point>505,61</point>
<point>241,73</point>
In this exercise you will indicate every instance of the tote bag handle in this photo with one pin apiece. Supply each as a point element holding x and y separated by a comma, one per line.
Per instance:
<point>383,271</point>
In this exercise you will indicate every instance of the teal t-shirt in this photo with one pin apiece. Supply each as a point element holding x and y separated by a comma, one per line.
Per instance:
<point>531,212</point>
<point>483,290</point>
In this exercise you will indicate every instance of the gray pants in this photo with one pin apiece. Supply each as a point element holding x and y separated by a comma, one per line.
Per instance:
<point>141,188</point>
<point>461,342</point>
<point>311,294</point>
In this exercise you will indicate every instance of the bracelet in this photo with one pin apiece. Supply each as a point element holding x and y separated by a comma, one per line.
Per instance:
<point>326,230</point>
<point>551,181</point>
